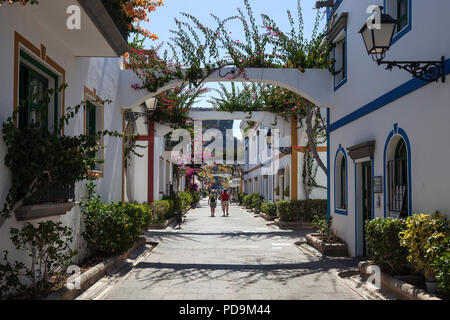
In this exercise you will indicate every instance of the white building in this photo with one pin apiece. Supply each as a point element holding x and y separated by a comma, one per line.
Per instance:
<point>388,132</point>
<point>274,174</point>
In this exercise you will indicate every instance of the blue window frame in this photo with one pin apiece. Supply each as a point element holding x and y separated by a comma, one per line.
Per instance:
<point>401,10</point>
<point>341,182</point>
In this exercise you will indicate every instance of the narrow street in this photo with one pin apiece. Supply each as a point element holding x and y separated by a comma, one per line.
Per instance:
<point>236,257</point>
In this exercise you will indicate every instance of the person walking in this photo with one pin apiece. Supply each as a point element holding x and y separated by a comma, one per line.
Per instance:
<point>225,200</point>
<point>212,201</point>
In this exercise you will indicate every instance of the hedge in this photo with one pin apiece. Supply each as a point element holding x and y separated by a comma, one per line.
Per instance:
<point>269,208</point>
<point>113,228</point>
<point>302,210</point>
<point>161,209</point>
<point>183,201</point>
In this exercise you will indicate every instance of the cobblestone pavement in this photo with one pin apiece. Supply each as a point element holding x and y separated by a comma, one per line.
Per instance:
<point>237,257</point>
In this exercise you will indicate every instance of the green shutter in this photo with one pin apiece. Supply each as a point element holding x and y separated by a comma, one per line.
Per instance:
<point>91,119</point>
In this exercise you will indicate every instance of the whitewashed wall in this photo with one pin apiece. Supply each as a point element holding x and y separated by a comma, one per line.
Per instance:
<point>422,114</point>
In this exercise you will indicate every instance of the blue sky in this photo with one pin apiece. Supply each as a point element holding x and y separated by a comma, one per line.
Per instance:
<point>162,20</point>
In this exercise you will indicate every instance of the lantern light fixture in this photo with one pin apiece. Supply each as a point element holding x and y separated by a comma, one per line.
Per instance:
<point>378,40</point>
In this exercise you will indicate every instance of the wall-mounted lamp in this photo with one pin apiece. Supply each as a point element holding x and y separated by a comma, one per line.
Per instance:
<point>378,42</point>
<point>269,138</point>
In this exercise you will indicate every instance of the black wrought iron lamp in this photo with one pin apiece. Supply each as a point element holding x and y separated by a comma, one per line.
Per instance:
<point>378,42</point>
<point>269,138</point>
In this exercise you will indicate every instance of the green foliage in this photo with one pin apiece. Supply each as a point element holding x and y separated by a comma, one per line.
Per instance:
<point>256,201</point>
<point>303,210</point>
<point>441,264</point>
<point>195,197</point>
<point>160,209</point>
<point>284,211</point>
<point>112,228</point>
<point>48,246</point>
<point>383,242</point>
<point>269,208</point>
<point>241,198</point>
<point>247,199</point>
<point>324,228</point>
<point>36,155</point>
<point>183,201</point>
<point>424,237</point>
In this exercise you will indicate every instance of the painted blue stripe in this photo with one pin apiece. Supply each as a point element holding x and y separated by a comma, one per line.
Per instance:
<point>397,93</point>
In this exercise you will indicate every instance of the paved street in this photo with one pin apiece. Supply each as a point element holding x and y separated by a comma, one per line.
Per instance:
<point>236,257</point>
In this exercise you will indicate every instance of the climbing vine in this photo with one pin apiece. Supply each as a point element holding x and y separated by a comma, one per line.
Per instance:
<point>36,155</point>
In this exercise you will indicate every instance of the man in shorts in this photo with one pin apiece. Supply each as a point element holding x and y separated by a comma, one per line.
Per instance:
<point>225,200</point>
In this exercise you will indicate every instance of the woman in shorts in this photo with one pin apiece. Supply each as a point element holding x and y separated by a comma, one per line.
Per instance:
<point>212,201</point>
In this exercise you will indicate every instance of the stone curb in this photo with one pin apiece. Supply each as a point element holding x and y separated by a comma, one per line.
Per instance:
<point>267,217</point>
<point>397,287</point>
<point>160,226</point>
<point>90,277</point>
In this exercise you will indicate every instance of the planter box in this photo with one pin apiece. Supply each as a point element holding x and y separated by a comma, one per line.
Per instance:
<point>40,211</point>
<point>160,226</point>
<point>90,277</point>
<point>293,224</point>
<point>329,249</point>
<point>397,287</point>
<point>267,217</point>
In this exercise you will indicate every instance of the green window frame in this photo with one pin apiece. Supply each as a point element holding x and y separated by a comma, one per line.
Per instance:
<point>91,119</point>
<point>25,75</point>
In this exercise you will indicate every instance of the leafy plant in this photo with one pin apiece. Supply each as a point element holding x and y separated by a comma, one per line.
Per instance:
<point>113,228</point>
<point>248,200</point>
<point>441,264</point>
<point>284,211</point>
<point>269,208</point>
<point>325,230</point>
<point>183,201</point>
<point>383,242</point>
<point>48,246</point>
<point>160,209</point>
<point>257,200</point>
<point>423,238</point>
<point>35,155</point>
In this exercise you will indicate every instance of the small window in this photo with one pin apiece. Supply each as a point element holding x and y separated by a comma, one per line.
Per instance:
<point>340,184</point>
<point>399,10</point>
<point>398,181</point>
<point>340,59</point>
<point>93,125</point>
<point>37,106</point>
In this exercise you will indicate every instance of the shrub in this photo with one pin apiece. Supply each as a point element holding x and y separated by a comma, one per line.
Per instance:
<point>423,238</point>
<point>383,243</point>
<point>241,198</point>
<point>195,197</point>
<point>160,209</point>
<point>183,201</point>
<point>441,265</point>
<point>113,228</point>
<point>48,247</point>
<point>269,208</point>
<point>256,201</point>
<point>304,210</point>
<point>248,200</point>
<point>284,210</point>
